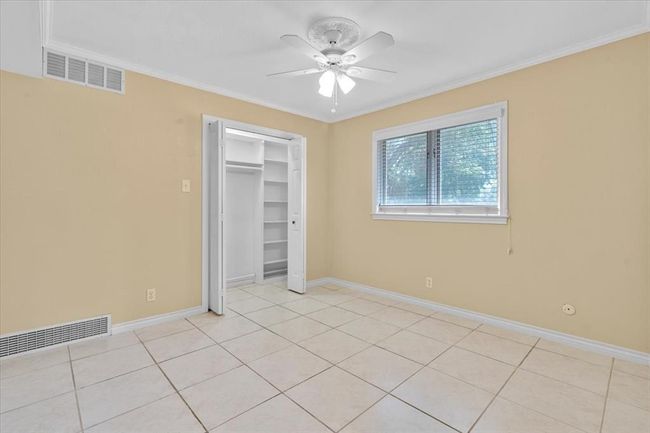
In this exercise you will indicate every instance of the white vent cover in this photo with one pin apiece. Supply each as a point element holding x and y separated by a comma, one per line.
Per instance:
<point>76,70</point>
<point>53,335</point>
<point>96,75</point>
<point>83,71</point>
<point>55,65</point>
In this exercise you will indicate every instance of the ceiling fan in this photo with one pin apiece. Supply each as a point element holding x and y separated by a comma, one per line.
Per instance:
<point>336,63</point>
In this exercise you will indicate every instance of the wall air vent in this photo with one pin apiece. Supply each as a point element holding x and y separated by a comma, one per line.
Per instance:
<point>96,75</point>
<point>82,71</point>
<point>114,79</point>
<point>55,65</point>
<point>76,70</point>
<point>39,338</point>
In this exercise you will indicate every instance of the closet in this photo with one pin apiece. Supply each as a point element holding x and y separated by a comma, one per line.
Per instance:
<point>256,208</point>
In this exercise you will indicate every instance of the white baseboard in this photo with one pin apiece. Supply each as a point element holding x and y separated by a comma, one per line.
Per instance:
<point>243,280</point>
<point>155,320</point>
<point>320,282</point>
<point>548,334</point>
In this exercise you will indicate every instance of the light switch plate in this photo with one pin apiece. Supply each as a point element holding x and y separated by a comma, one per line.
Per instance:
<point>186,185</point>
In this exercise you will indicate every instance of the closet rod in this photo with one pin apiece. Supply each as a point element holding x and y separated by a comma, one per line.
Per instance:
<point>244,166</point>
<point>258,136</point>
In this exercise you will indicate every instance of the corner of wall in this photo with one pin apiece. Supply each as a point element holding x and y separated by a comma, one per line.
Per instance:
<point>328,226</point>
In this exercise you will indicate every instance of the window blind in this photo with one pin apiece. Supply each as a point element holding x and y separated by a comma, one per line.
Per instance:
<point>404,170</point>
<point>454,166</point>
<point>468,164</point>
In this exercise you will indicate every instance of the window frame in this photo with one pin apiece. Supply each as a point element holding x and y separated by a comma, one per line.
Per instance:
<point>448,213</point>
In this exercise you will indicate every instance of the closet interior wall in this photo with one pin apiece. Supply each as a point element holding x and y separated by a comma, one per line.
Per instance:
<point>255,210</point>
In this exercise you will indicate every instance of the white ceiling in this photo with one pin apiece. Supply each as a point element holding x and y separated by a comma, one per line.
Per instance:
<point>229,47</point>
<point>20,38</point>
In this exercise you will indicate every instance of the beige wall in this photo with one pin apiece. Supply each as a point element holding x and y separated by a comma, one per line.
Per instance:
<point>92,212</point>
<point>578,149</point>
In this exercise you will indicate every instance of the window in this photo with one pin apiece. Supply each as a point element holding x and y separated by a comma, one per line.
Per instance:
<point>450,168</point>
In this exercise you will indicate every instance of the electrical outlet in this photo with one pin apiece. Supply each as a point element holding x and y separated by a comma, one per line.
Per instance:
<point>568,309</point>
<point>151,295</point>
<point>428,282</point>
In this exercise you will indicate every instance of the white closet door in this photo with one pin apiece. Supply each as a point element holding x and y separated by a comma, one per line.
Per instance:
<point>216,229</point>
<point>295,231</point>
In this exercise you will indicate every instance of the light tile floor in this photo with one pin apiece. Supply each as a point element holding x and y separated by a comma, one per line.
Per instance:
<point>328,361</point>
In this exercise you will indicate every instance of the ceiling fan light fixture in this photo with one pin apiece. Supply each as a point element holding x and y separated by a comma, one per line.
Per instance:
<point>348,58</point>
<point>327,82</point>
<point>345,83</point>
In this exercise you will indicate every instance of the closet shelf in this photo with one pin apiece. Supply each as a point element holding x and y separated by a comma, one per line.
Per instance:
<point>275,181</point>
<point>278,161</point>
<point>273,262</point>
<point>276,201</point>
<point>244,167</point>
<point>279,241</point>
<point>276,271</point>
<point>276,222</point>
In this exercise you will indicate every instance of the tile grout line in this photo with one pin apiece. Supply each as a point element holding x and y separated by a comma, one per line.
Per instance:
<point>360,378</point>
<point>427,365</point>
<point>104,351</point>
<point>533,409</point>
<point>156,400</point>
<point>280,392</point>
<point>133,371</point>
<point>390,393</point>
<point>336,364</point>
<point>171,383</point>
<point>68,361</point>
<point>34,370</point>
<point>332,365</point>
<point>297,344</point>
<point>609,381</point>
<point>496,394</point>
<point>76,397</point>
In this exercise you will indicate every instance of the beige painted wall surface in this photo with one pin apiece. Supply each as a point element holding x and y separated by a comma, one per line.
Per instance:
<point>91,212</point>
<point>578,149</point>
<point>91,208</point>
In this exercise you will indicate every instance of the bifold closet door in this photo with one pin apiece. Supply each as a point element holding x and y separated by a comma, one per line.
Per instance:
<point>295,229</point>
<point>216,179</point>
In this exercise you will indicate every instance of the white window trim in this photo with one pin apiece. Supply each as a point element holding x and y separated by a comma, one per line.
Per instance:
<point>455,214</point>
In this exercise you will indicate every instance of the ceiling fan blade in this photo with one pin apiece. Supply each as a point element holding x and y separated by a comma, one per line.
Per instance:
<point>371,74</point>
<point>377,42</point>
<point>297,73</point>
<point>303,46</point>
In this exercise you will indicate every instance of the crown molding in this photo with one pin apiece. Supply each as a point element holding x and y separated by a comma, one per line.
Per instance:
<point>176,79</point>
<point>49,43</point>
<point>475,78</point>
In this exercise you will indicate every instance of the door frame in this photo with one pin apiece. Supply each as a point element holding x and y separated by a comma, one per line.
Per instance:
<point>208,193</point>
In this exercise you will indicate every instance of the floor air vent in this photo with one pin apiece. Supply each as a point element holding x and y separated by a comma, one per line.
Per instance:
<point>44,337</point>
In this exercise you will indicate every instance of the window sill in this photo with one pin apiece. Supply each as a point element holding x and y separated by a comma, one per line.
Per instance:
<point>475,219</point>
